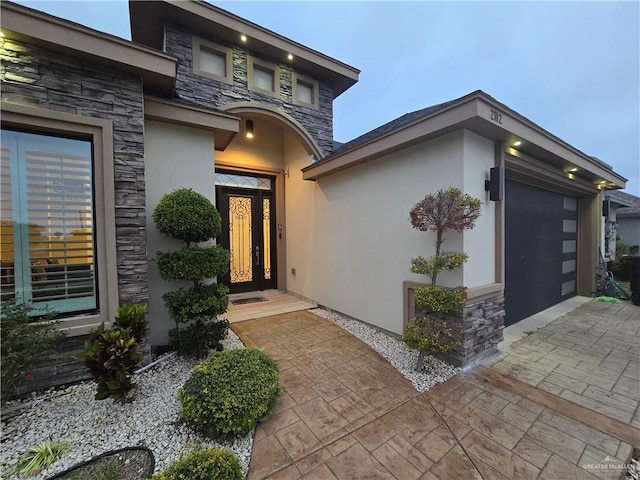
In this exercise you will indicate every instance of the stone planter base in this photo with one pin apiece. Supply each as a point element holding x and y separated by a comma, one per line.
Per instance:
<point>482,321</point>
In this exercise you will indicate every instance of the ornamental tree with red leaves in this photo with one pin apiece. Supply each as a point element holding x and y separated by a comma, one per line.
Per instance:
<point>448,209</point>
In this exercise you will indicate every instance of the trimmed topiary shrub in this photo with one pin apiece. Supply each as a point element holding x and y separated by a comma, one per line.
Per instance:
<point>198,337</point>
<point>186,215</point>
<point>440,212</point>
<point>440,299</point>
<point>229,393</point>
<point>212,464</point>
<point>191,218</point>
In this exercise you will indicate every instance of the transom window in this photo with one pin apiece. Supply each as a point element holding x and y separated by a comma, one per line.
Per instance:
<point>263,77</point>
<point>305,91</point>
<point>212,60</point>
<point>242,181</point>
<point>47,243</point>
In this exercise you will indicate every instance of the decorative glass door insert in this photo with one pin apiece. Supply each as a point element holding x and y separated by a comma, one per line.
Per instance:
<point>248,230</point>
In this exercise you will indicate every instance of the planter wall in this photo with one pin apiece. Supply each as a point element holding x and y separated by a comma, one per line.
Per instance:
<point>482,320</point>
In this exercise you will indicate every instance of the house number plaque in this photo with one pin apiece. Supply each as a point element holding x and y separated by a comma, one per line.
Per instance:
<point>496,116</point>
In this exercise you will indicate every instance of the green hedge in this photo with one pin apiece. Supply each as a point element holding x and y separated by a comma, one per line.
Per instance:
<point>231,392</point>
<point>212,464</point>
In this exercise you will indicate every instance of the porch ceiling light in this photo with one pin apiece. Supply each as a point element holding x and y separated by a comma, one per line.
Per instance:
<point>290,56</point>
<point>248,129</point>
<point>243,38</point>
<point>574,169</point>
<point>517,143</point>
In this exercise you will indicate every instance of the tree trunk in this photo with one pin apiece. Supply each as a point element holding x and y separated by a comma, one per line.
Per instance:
<point>439,241</point>
<point>420,362</point>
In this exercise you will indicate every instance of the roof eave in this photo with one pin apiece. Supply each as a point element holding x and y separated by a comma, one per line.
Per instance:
<point>472,112</point>
<point>157,69</point>
<point>225,126</point>
<point>147,23</point>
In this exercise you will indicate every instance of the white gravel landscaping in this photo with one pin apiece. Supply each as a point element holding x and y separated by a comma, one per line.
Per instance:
<point>92,427</point>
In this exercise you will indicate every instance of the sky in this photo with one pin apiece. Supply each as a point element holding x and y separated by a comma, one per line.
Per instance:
<point>571,67</point>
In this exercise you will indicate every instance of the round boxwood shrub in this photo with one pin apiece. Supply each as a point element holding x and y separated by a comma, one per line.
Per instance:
<point>212,464</point>
<point>231,392</point>
<point>187,215</point>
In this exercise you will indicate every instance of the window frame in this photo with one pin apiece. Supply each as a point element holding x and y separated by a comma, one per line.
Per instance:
<point>33,179</point>
<point>100,133</point>
<point>310,82</point>
<point>262,65</point>
<point>198,45</point>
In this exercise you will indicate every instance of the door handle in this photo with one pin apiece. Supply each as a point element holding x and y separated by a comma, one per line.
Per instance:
<point>258,255</point>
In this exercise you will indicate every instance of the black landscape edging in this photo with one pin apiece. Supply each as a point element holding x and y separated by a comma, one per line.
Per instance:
<point>103,455</point>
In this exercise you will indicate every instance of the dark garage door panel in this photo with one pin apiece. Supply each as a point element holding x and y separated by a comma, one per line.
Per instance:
<point>534,239</point>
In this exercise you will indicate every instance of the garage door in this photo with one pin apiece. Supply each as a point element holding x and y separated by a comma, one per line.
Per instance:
<point>540,249</point>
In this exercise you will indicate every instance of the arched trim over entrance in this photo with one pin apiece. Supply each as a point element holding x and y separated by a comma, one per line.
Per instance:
<point>298,130</point>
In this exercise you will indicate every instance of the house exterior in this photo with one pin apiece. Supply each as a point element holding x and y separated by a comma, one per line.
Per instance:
<point>96,129</point>
<point>622,220</point>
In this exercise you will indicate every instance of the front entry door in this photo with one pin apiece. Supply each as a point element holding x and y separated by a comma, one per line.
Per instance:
<point>248,232</point>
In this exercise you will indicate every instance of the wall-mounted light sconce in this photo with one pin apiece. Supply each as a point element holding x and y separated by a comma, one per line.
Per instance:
<point>495,184</point>
<point>248,130</point>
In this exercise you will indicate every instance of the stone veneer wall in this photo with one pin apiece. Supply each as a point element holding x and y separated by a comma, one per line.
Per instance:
<point>483,325</point>
<point>211,93</point>
<point>41,78</point>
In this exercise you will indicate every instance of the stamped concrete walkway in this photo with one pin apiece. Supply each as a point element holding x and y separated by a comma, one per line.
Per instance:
<point>590,356</point>
<point>348,414</point>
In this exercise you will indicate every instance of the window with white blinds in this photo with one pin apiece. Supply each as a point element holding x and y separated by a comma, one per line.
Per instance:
<point>47,232</point>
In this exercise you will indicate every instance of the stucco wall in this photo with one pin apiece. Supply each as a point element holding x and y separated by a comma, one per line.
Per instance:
<point>354,250</point>
<point>479,242</point>
<point>175,157</point>
<point>300,214</point>
<point>264,151</point>
<point>629,230</point>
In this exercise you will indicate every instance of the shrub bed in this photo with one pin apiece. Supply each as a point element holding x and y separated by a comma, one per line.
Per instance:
<point>229,393</point>
<point>212,464</point>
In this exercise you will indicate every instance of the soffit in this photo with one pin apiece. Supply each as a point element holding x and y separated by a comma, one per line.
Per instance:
<point>157,69</point>
<point>147,28</point>
<point>224,126</point>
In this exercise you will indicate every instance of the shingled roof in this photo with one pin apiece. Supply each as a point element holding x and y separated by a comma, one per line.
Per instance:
<point>633,210</point>
<point>389,127</point>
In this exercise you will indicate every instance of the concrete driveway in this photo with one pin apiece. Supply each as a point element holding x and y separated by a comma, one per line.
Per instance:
<point>348,414</point>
